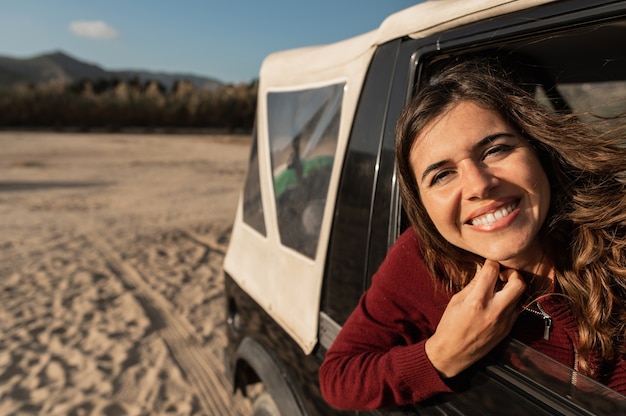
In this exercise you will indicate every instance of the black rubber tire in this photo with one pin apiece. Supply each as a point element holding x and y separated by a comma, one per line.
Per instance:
<point>264,405</point>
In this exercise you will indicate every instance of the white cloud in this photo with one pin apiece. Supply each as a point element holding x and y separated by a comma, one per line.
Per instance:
<point>94,29</point>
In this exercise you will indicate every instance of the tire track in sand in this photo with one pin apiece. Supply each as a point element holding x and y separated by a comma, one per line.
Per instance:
<point>203,369</point>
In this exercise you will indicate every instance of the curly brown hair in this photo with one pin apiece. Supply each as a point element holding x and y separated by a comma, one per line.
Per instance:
<point>584,230</point>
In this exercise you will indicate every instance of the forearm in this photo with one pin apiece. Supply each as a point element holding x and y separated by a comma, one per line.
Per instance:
<point>365,380</point>
<point>378,359</point>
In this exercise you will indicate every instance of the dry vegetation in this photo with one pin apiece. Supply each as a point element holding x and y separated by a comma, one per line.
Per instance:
<point>111,105</point>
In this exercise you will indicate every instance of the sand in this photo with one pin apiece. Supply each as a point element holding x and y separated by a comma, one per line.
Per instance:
<point>111,291</point>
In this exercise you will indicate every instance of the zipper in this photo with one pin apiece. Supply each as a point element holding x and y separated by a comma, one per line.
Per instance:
<point>574,380</point>
<point>547,319</point>
<point>547,325</point>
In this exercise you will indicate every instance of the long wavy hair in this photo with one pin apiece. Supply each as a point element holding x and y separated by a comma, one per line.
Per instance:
<point>584,229</point>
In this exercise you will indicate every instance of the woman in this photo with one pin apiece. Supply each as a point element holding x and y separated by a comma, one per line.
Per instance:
<point>520,214</point>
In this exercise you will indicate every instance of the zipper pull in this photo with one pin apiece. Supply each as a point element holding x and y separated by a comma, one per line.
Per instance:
<point>547,324</point>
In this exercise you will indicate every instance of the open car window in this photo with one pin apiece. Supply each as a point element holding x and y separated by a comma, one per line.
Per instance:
<point>583,72</point>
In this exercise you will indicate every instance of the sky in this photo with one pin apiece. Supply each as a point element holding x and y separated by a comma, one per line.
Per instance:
<point>222,39</point>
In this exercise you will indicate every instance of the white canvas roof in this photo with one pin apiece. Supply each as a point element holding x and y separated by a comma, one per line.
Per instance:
<point>421,20</point>
<point>287,284</point>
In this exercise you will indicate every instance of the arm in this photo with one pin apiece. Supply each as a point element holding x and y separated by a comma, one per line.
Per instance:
<point>406,338</point>
<point>378,358</point>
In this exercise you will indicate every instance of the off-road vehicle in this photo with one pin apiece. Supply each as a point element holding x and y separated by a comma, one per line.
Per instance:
<point>320,205</point>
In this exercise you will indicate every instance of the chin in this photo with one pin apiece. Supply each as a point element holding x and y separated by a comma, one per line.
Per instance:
<point>512,260</point>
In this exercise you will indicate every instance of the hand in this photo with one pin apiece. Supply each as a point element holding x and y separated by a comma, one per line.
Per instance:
<point>476,319</point>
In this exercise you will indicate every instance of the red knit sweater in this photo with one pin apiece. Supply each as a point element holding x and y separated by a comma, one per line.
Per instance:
<point>382,343</point>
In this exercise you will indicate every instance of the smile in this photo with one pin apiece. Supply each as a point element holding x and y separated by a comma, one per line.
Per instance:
<point>494,216</point>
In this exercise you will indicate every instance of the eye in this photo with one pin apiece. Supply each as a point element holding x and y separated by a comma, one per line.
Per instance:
<point>497,150</point>
<point>440,176</point>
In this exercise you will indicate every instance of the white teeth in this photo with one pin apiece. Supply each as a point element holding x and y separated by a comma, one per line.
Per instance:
<point>494,216</point>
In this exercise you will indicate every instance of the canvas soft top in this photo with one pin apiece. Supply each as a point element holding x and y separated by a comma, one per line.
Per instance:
<point>302,64</point>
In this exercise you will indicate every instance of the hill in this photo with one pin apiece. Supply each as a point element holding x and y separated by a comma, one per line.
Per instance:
<point>59,66</point>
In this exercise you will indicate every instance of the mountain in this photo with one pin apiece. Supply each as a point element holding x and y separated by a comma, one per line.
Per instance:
<point>58,66</point>
<point>167,79</point>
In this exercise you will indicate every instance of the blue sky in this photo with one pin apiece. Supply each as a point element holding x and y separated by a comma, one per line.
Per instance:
<point>224,39</point>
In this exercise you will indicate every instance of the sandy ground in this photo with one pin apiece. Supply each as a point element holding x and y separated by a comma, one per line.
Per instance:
<point>111,292</point>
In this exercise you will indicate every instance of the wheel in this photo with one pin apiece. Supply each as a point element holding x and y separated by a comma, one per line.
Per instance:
<point>264,405</point>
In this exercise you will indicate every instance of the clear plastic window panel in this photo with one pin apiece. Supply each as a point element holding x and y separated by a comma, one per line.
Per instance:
<point>252,203</point>
<point>303,131</point>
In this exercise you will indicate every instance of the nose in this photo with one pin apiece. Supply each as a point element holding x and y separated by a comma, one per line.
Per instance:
<point>478,181</point>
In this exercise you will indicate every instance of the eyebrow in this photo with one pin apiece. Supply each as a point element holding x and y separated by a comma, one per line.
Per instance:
<point>478,145</point>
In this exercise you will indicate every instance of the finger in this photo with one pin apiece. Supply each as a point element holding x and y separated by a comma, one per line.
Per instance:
<point>513,288</point>
<point>506,273</point>
<point>486,278</point>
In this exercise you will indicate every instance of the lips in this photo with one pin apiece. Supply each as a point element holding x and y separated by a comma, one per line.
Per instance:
<point>495,215</point>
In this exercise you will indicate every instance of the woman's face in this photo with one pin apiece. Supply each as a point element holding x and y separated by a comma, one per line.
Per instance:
<point>482,185</point>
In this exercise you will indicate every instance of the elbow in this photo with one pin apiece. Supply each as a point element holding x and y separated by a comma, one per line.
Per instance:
<point>329,386</point>
<point>341,391</point>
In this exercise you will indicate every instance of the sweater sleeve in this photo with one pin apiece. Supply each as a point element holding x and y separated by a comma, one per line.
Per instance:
<point>378,359</point>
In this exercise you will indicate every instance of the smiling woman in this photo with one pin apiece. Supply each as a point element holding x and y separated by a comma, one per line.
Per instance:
<point>503,196</point>
<point>539,150</point>
<point>483,185</point>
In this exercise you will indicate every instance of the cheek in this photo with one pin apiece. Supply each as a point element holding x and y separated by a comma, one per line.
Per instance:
<point>440,209</point>
<point>537,185</point>
<point>545,195</point>
<point>538,181</point>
